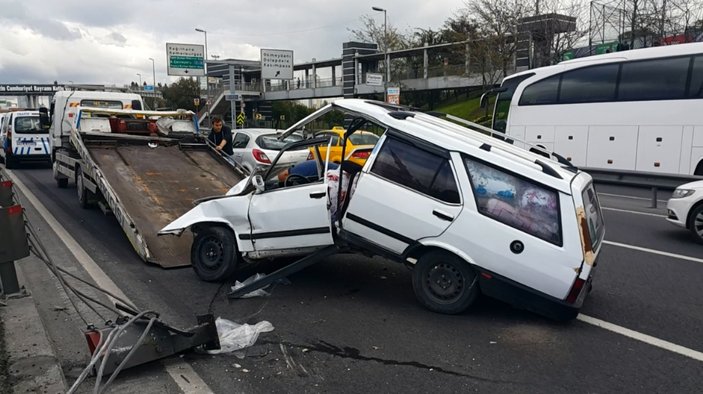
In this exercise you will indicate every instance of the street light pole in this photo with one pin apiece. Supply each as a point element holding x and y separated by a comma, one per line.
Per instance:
<point>385,54</point>
<point>207,89</point>
<point>140,80</point>
<point>153,72</point>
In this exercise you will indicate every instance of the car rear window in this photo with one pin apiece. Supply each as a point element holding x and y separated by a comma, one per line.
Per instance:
<point>363,139</point>
<point>271,141</point>
<point>28,124</point>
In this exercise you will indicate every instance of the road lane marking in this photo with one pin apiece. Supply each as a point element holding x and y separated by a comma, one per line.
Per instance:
<point>648,339</point>
<point>634,212</point>
<point>630,197</point>
<point>181,372</point>
<point>654,251</point>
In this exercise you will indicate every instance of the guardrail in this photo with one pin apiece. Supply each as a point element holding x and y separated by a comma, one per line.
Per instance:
<point>652,180</point>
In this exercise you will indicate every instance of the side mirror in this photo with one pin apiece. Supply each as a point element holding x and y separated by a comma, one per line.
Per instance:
<point>258,182</point>
<point>44,120</point>
<point>136,105</point>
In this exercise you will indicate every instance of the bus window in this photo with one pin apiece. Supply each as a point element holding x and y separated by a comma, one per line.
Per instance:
<point>541,92</point>
<point>502,105</point>
<point>656,79</point>
<point>589,85</point>
<point>695,89</point>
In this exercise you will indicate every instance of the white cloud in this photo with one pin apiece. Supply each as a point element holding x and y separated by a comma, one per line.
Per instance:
<point>110,41</point>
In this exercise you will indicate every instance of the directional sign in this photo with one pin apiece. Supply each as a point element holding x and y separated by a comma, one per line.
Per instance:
<point>185,59</point>
<point>276,64</point>
<point>241,118</point>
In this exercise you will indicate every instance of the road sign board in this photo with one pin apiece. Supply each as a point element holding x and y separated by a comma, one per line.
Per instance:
<point>240,118</point>
<point>233,97</point>
<point>148,88</point>
<point>185,59</point>
<point>276,64</point>
<point>393,94</point>
<point>374,79</point>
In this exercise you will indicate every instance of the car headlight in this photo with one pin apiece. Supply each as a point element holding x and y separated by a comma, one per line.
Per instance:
<point>681,193</point>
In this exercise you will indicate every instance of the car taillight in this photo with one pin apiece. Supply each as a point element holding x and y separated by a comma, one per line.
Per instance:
<point>575,290</point>
<point>260,156</point>
<point>361,154</point>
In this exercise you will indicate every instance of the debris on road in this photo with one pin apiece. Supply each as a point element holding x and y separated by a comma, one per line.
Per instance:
<point>255,293</point>
<point>235,336</point>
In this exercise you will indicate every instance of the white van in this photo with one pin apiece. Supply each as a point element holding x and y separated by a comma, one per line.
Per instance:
<point>469,213</point>
<point>23,139</point>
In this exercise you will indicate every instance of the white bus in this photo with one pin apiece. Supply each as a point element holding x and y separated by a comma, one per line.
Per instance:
<point>639,110</point>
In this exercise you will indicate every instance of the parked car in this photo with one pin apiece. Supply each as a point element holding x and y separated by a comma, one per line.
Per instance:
<point>685,208</point>
<point>468,213</point>
<point>256,148</point>
<point>360,139</point>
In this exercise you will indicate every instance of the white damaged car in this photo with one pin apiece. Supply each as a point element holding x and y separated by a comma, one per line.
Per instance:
<point>469,213</point>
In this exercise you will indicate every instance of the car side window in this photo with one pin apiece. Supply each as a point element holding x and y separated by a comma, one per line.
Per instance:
<point>515,201</point>
<point>418,169</point>
<point>240,140</point>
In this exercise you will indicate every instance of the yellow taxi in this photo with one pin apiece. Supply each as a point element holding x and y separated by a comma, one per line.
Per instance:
<point>359,145</point>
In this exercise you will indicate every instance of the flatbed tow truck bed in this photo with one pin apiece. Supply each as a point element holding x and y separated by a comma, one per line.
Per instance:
<point>157,185</point>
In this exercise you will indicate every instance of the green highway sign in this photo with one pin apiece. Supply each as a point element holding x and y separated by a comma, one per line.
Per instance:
<point>185,59</point>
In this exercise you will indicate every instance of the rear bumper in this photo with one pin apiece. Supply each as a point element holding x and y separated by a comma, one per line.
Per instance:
<point>30,158</point>
<point>523,297</point>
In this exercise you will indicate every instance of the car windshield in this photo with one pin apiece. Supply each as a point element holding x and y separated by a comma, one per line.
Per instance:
<point>271,141</point>
<point>28,124</point>
<point>363,139</point>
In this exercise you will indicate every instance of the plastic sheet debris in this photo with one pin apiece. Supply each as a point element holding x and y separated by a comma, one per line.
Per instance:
<point>255,293</point>
<point>235,336</point>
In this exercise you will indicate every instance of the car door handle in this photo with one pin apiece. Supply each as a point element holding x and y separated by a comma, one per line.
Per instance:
<point>317,195</point>
<point>442,215</point>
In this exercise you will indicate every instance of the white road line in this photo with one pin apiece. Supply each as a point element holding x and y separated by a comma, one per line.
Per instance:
<point>629,197</point>
<point>634,212</point>
<point>654,251</point>
<point>181,372</point>
<point>648,339</point>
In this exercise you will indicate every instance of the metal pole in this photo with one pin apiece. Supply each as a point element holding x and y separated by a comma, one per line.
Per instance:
<point>153,72</point>
<point>654,197</point>
<point>388,63</point>
<point>8,278</point>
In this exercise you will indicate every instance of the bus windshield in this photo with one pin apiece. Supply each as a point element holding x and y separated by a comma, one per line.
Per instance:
<point>502,106</point>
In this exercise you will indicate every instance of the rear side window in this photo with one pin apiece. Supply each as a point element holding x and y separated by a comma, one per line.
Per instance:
<point>658,79</point>
<point>271,141</point>
<point>695,89</point>
<point>240,140</point>
<point>418,169</point>
<point>363,139</point>
<point>515,201</point>
<point>102,104</point>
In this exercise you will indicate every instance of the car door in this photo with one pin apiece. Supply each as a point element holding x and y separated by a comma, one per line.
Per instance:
<point>239,146</point>
<point>406,193</point>
<point>290,217</point>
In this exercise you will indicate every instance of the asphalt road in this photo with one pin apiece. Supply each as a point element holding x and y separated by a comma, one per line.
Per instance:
<point>351,324</point>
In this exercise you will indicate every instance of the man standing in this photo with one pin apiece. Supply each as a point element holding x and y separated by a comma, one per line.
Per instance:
<point>221,136</point>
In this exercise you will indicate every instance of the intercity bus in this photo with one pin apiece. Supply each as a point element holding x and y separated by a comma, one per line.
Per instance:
<point>638,110</point>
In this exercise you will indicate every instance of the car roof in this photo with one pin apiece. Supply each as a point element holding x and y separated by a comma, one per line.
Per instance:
<point>257,132</point>
<point>453,137</point>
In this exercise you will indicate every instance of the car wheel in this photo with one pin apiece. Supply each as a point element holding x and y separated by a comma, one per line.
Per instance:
<point>10,162</point>
<point>214,253</point>
<point>83,193</point>
<point>444,283</point>
<point>61,181</point>
<point>696,223</point>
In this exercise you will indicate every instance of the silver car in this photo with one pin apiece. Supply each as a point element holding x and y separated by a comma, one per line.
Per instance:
<point>256,148</point>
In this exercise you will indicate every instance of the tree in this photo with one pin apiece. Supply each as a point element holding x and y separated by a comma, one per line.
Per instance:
<point>181,94</point>
<point>372,31</point>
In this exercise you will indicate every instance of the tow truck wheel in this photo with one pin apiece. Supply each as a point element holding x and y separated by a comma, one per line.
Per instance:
<point>444,283</point>
<point>214,253</point>
<point>61,181</point>
<point>82,191</point>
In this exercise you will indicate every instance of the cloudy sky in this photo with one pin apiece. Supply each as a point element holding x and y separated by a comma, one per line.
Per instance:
<point>109,42</point>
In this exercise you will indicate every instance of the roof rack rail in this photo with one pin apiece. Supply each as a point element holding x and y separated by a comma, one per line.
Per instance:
<point>508,138</point>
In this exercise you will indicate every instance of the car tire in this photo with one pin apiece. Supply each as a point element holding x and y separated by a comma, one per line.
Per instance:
<point>10,162</point>
<point>695,223</point>
<point>444,283</point>
<point>214,253</point>
<point>61,181</point>
<point>83,193</point>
